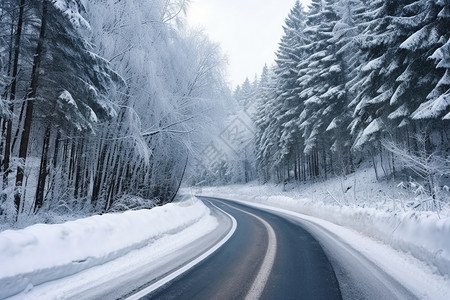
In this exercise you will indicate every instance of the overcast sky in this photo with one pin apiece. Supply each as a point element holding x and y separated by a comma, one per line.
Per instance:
<point>248,31</point>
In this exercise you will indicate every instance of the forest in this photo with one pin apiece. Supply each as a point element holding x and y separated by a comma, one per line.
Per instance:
<point>112,105</point>
<point>355,82</point>
<point>101,103</point>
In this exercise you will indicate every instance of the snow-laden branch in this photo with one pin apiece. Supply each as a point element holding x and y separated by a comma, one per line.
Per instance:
<point>166,128</point>
<point>169,15</point>
<point>429,166</point>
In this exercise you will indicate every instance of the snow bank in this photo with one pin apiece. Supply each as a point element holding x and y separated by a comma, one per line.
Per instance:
<point>423,234</point>
<point>42,253</point>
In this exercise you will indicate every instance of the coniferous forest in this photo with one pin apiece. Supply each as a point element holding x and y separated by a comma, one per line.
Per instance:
<point>352,80</point>
<point>355,82</point>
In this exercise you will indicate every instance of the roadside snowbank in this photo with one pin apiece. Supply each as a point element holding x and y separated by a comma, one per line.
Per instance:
<point>423,234</point>
<point>41,253</point>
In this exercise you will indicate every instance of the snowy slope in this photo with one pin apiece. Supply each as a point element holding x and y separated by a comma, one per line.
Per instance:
<point>42,253</point>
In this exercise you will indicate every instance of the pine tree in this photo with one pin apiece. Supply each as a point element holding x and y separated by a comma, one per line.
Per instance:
<point>378,84</point>
<point>244,94</point>
<point>288,104</point>
<point>263,119</point>
<point>431,40</point>
<point>72,75</point>
<point>344,65</point>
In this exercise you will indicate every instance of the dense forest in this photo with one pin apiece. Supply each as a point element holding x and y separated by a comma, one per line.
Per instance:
<point>355,82</point>
<point>110,105</point>
<point>100,100</point>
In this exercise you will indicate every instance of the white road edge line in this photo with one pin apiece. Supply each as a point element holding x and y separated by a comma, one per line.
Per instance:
<point>261,279</point>
<point>188,266</point>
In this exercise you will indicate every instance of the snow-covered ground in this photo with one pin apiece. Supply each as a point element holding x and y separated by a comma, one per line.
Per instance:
<point>382,211</point>
<point>36,255</point>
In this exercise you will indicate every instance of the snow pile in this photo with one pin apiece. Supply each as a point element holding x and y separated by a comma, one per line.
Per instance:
<point>378,210</point>
<point>42,253</point>
<point>423,234</point>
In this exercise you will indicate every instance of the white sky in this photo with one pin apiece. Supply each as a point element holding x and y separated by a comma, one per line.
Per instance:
<point>248,31</point>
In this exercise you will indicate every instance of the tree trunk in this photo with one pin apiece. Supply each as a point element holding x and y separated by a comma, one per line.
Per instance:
<point>316,164</point>
<point>98,175</point>
<point>13,88</point>
<point>43,171</point>
<point>332,163</point>
<point>179,182</point>
<point>19,123</point>
<point>65,158</point>
<point>25,138</point>
<point>10,53</point>
<point>77,174</point>
<point>303,157</point>
<point>56,150</point>
<point>393,166</point>
<point>351,161</point>
<point>382,165</point>
<point>112,176</point>
<point>55,163</point>
<point>374,165</point>
<point>73,161</point>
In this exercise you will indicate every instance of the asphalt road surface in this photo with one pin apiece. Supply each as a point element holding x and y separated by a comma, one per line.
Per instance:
<point>268,257</point>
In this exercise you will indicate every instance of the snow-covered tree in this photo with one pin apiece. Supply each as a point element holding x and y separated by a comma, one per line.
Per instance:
<point>431,39</point>
<point>119,94</point>
<point>245,94</point>
<point>289,105</point>
<point>323,88</point>
<point>263,120</point>
<point>368,70</point>
<point>279,105</point>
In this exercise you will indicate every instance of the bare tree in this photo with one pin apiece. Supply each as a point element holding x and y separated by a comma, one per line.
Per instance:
<point>431,166</point>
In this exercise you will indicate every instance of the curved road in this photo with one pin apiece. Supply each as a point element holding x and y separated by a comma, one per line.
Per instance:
<point>268,257</point>
<point>264,253</point>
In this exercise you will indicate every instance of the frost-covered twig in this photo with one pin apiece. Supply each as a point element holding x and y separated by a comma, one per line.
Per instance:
<point>335,199</point>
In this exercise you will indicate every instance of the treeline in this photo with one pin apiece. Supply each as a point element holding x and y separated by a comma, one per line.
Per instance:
<point>350,75</point>
<point>355,80</point>
<point>100,100</point>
